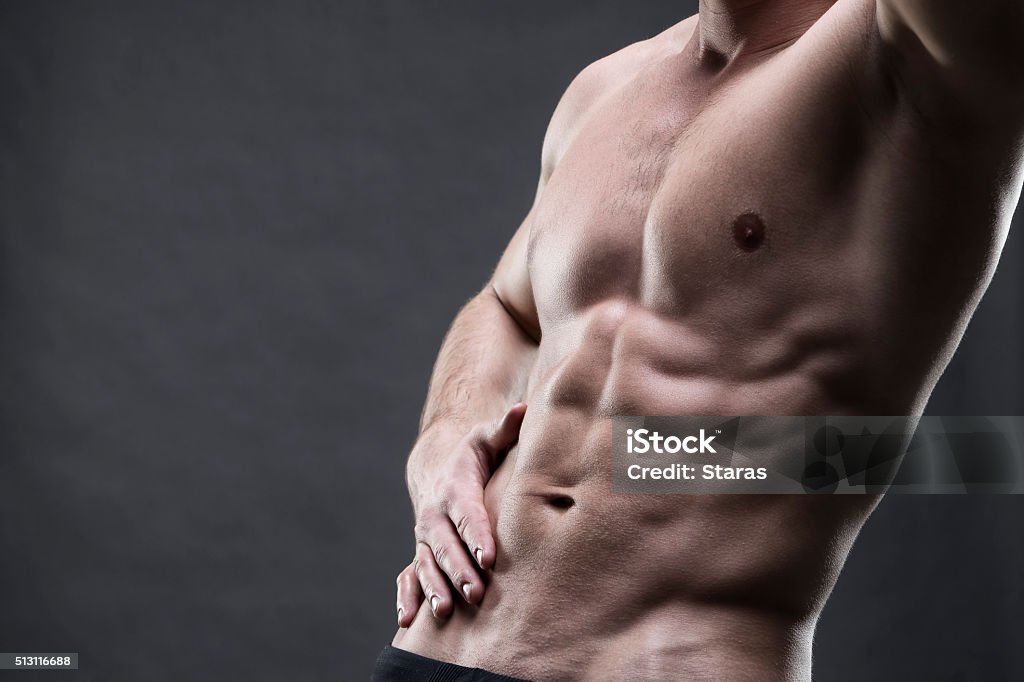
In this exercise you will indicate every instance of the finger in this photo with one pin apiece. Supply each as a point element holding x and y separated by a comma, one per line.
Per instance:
<point>453,559</point>
<point>410,596</point>
<point>432,581</point>
<point>505,432</point>
<point>469,515</point>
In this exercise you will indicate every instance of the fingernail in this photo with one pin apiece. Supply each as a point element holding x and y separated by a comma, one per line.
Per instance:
<point>479,556</point>
<point>434,601</point>
<point>466,589</point>
<point>401,611</point>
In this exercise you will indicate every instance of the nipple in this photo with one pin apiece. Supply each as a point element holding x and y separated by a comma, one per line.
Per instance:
<point>748,231</point>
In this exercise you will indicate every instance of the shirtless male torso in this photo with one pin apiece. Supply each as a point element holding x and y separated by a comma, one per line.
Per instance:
<point>775,207</point>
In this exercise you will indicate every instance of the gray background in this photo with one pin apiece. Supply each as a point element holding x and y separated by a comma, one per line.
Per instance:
<point>231,238</point>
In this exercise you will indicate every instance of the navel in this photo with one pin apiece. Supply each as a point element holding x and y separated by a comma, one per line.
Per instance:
<point>748,231</point>
<point>561,501</point>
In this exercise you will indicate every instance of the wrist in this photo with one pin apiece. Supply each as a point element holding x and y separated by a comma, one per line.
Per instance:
<point>434,443</point>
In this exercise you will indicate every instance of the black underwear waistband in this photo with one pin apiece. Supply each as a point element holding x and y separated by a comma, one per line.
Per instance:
<point>398,665</point>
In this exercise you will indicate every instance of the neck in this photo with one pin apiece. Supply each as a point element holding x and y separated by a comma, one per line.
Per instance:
<point>728,29</point>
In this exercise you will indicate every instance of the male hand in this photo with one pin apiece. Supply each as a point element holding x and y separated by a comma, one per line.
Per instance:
<point>453,532</point>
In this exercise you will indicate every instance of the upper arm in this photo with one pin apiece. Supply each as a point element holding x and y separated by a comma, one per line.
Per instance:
<point>971,51</point>
<point>511,279</point>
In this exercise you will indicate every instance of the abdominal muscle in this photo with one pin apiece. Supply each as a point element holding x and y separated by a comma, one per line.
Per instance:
<point>591,585</point>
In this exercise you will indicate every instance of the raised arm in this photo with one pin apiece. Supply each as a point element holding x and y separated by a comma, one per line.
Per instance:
<point>951,49</point>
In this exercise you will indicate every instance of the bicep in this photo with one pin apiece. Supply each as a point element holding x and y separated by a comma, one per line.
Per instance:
<point>511,281</point>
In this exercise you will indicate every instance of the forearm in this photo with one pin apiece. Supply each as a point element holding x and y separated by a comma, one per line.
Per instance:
<point>481,370</point>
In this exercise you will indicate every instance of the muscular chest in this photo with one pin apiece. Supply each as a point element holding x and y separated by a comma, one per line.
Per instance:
<point>670,189</point>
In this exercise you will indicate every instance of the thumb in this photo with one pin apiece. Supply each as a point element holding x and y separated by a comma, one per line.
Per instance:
<point>505,431</point>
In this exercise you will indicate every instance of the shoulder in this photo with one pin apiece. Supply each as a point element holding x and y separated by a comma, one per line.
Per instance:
<point>596,82</point>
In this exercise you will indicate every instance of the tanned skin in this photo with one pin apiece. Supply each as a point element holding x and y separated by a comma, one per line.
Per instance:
<point>783,207</point>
